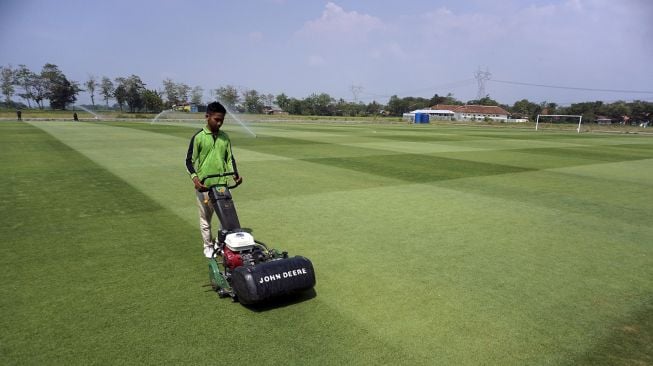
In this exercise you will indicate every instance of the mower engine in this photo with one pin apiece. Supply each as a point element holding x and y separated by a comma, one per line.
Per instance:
<point>241,249</point>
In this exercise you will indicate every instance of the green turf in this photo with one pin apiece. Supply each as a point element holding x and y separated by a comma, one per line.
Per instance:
<point>432,245</point>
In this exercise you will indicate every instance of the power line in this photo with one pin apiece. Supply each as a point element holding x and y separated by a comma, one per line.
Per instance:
<point>431,89</point>
<point>573,87</point>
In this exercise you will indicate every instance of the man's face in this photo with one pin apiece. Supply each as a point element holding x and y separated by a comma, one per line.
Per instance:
<point>214,120</point>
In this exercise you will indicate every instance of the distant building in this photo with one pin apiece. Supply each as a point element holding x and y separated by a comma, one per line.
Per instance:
<point>603,120</point>
<point>273,110</point>
<point>434,114</point>
<point>474,112</point>
<point>189,107</point>
<point>184,107</point>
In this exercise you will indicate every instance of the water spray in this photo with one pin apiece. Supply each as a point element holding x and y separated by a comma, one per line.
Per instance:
<point>234,116</point>
<point>160,115</point>
<point>95,116</point>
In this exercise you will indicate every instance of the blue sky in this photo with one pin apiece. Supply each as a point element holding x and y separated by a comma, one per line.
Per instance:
<point>407,48</point>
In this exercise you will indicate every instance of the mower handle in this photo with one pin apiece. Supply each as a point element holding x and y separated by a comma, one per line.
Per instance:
<point>219,176</point>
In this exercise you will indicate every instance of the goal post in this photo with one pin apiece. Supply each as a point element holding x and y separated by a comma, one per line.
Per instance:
<point>552,118</point>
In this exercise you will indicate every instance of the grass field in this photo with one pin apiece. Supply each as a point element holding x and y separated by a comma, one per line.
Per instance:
<point>433,245</point>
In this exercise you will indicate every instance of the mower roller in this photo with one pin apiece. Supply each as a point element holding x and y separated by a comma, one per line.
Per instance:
<point>246,269</point>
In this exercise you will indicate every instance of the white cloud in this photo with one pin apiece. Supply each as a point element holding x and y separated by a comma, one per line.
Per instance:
<point>336,23</point>
<point>443,26</point>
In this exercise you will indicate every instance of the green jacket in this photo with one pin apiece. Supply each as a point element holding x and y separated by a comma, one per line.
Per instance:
<point>210,155</point>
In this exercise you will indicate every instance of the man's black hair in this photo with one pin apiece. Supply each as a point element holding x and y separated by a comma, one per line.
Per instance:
<point>215,107</point>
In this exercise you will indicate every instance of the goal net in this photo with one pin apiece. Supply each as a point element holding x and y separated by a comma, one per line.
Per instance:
<point>559,122</point>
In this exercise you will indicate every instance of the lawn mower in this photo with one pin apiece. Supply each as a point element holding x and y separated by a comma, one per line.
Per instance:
<point>245,269</point>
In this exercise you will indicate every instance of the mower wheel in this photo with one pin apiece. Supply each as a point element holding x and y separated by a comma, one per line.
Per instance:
<point>222,293</point>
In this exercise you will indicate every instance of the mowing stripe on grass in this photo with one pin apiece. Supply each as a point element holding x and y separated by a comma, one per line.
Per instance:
<point>418,167</point>
<point>525,266</point>
<point>457,275</point>
<point>98,273</point>
<point>153,163</point>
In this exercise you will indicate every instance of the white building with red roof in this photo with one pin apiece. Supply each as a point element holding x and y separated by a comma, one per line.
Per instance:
<point>473,112</point>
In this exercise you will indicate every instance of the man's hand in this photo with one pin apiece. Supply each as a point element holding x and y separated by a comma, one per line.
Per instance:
<point>198,185</point>
<point>238,179</point>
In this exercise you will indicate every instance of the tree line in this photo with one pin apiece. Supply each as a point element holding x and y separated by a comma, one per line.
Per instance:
<point>130,93</point>
<point>49,84</point>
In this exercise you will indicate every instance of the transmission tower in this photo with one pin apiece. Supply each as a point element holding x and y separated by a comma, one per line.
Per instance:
<point>356,91</point>
<point>481,78</point>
